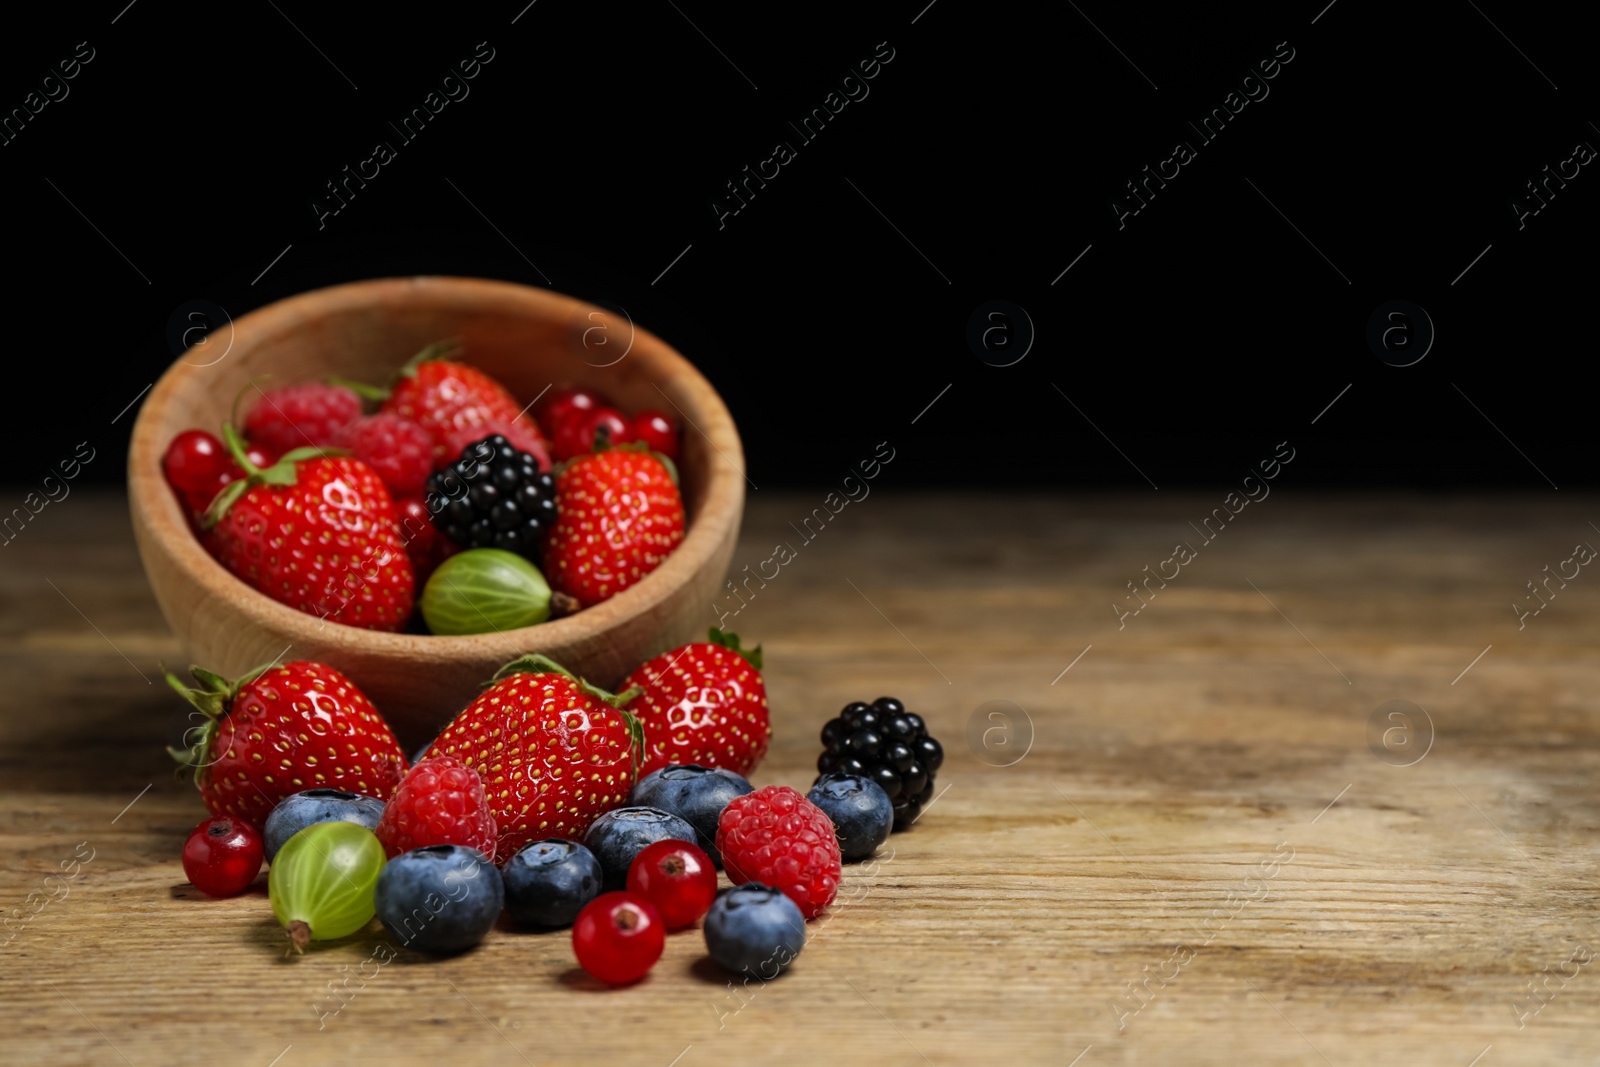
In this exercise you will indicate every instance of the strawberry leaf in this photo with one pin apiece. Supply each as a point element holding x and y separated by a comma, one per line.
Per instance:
<point>730,641</point>
<point>223,501</point>
<point>212,697</point>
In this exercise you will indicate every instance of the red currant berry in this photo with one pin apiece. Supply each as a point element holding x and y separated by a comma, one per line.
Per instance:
<point>618,428</point>
<point>222,856</point>
<point>657,431</point>
<point>193,461</point>
<point>575,437</point>
<point>565,402</point>
<point>262,457</point>
<point>618,937</point>
<point>677,878</point>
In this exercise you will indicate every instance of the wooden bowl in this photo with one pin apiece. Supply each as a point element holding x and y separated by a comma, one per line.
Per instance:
<point>527,339</point>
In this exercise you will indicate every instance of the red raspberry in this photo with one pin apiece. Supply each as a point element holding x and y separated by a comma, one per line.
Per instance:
<point>301,416</point>
<point>777,837</point>
<point>394,446</point>
<point>439,802</point>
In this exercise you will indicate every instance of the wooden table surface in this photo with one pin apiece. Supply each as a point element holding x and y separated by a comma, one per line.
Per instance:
<point>1196,853</point>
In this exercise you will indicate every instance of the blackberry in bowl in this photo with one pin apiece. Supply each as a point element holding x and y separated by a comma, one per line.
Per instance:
<point>494,496</point>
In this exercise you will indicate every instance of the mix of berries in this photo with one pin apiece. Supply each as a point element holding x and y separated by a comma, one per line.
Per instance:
<point>539,760</point>
<point>886,743</point>
<point>348,515</point>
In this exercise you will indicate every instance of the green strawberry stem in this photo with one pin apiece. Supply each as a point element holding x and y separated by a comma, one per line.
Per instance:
<point>280,473</point>
<point>730,641</point>
<point>539,663</point>
<point>449,348</point>
<point>375,393</point>
<point>213,698</point>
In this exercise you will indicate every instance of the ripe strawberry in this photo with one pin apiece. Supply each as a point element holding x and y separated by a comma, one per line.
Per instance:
<point>440,802</point>
<point>458,404</point>
<point>618,515</point>
<point>317,534</point>
<point>703,703</point>
<point>308,415</point>
<point>278,730</point>
<point>555,753</point>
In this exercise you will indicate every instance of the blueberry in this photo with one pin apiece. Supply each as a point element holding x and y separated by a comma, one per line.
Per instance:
<point>861,812</point>
<point>548,882</point>
<point>755,930</point>
<point>694,794</point>
<point>295,813</point>
<point>622,833</point>
<point>422,753</point>
<point>439,899</point>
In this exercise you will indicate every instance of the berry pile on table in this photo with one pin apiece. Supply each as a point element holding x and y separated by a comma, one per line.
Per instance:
<point>443,509</point>
<point>546,797</point>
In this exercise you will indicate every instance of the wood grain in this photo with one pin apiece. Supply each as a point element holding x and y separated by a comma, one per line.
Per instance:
<point>1406,914</point>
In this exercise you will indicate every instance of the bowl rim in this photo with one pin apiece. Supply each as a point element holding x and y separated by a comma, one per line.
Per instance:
<point>154,502</point>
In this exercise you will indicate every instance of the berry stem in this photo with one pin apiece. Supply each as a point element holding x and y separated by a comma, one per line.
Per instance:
<point>299,936</point>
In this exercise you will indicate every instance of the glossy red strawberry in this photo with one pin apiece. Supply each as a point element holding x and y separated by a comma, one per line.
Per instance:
<point>554,752</point>
<point>281,729</point>
<point>703,703</point>
<point>454,401</point>
<point>618,515</point>
<point>317,534</point>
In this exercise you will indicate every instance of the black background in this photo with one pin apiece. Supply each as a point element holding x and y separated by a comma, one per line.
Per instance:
<point>834,307</point>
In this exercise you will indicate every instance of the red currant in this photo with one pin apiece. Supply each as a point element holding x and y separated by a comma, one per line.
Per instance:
<point>657,431</point>
<point>575,437</point>
<point>222,856</point>
<point>677,878</point>
<point>193,460</point>
<point>565,402</point>
<point>618,937</point>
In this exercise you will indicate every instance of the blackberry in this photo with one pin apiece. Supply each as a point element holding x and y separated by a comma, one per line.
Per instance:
<point>884,743</point>
<point>494,496</point>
